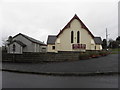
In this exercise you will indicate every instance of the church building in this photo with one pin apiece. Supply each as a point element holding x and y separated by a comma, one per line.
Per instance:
<point>75,36</point>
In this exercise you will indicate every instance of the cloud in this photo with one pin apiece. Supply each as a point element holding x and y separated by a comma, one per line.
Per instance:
<point>40,19</point>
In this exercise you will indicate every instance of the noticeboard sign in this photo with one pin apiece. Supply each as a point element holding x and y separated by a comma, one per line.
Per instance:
<point>79,46</point>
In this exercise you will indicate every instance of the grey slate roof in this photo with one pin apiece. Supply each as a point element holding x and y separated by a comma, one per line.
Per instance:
<point>98,40</point>
<point>51,39</point>
<point>31,39</point>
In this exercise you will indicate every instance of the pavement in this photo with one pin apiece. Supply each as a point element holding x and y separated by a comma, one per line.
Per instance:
<point>94,65</point>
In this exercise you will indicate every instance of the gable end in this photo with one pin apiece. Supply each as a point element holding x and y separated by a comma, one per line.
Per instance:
<point>82,25</point>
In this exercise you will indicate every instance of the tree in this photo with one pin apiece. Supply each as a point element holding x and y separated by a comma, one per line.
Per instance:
<point>104,45</point>
<point>4,41</point>
<point>118,41</point>
<point>4,44</point>
<point>110,43</point>
<point>114,44</point>
<point>118,38</point>
<point>9,39</point>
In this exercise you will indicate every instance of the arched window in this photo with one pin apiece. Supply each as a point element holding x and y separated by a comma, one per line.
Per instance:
<point>14,47</point>
<point>95,47</point>
<point>78,37</point>
<point>72,35</point>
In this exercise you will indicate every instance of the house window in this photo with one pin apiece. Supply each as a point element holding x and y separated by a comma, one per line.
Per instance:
<point>72,35</point>
<point>14,47</point>
<point>78,37</point>
<point>53,47</point>
<point>43,49</point>
<point>35,47</point>
<point>95,47</point>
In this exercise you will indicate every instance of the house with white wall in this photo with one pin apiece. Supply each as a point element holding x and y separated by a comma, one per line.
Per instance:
<point>75,36</point>
<point>22,43</point>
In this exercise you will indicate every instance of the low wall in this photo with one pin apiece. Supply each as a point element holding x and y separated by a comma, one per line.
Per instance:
<point>41,57</point>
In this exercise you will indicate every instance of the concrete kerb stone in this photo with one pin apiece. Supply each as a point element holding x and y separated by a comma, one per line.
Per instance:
<point>63,73</point>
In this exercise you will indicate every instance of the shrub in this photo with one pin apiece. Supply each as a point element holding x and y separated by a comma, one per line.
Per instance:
<point>104,53</point>
<point>83,56</point>
<point>94,54</point>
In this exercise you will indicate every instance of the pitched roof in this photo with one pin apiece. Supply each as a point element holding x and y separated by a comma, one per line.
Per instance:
<point>98,40</point>
<point>31,39</point>
<point>51,39</point>
<point>82,24</point>
<point>19,42</point>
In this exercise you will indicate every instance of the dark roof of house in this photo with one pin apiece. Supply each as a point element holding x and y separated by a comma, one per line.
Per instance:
<point>31,39</point>
<point>98,40</point>
<point>19,42</point>
<point>68,25</point>
<point>51,39</point>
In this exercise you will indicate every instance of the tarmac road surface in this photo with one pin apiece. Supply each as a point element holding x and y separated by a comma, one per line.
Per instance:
<point>17,80</point>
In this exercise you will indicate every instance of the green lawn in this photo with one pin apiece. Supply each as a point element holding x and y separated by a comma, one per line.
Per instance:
<point>115,51</point>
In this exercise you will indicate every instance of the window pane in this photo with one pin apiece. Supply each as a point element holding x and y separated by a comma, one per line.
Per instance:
<point>53,47</point>
<point>14,47</point>
<point>72,36</point>
<point>78,37</point>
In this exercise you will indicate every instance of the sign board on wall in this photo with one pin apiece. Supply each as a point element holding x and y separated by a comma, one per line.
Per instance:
<point>79,46</point>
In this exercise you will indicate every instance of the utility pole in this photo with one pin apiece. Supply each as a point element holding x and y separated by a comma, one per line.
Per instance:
<point>106,38</point>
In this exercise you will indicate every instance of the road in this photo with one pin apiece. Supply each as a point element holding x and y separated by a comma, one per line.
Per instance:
<point>17,80</point>
<point>0,80</point>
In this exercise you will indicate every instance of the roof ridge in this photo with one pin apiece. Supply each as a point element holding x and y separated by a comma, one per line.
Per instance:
<point>31,39</point>
<point>52,35</point>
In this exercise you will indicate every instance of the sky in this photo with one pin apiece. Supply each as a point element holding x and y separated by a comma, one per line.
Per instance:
<point>40,18</point>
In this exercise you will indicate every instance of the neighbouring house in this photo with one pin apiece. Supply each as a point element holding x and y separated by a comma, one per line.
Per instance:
<point>22,43</point>
<point>75,36</point>
<point>98,43</point>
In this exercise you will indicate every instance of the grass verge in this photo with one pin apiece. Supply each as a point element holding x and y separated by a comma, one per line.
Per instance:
<point>115,51</point>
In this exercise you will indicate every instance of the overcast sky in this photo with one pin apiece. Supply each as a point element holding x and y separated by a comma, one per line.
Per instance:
<point>40,18</point>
